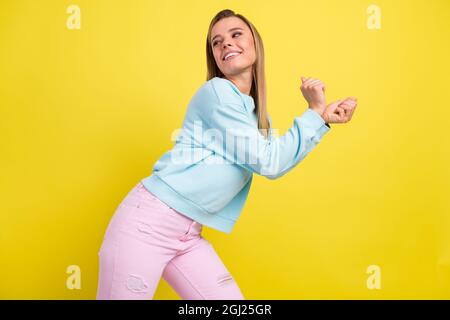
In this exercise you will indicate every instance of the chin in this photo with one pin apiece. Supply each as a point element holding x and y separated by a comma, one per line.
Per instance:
<point>236,69</point>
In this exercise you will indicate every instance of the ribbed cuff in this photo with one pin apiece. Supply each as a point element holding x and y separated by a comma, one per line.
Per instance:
<point>315,121</point>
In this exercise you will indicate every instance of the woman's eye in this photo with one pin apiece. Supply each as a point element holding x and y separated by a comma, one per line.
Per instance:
<point>233,36</point>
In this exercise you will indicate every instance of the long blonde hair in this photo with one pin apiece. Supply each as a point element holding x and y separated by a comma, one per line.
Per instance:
<point>258,90</point>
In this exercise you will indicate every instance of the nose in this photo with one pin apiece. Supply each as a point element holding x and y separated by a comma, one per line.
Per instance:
<point>226,44</point>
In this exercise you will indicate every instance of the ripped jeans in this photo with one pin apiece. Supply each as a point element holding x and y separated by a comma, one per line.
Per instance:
<point>146,240</point>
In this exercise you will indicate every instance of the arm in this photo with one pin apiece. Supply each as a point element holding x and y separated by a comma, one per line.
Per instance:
<point>238,140</point>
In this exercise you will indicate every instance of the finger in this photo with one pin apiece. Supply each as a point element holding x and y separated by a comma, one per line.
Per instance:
<point>319,87</point>
<point>348,103</point>
<point>304,82</point>
<point>336,117</point>
<point>352,104</point>
<point>332,106</point>
<point>348,100</point>
<point>341,113</point>
<point>315,84</point>
<point>351,111</point>
<point>346,107</point>
<point>318,83</point>
<point>312,83</point>
<point>351,100</point>
<point>308,85</point>
<point>309,80</point>
<point>348,112</point>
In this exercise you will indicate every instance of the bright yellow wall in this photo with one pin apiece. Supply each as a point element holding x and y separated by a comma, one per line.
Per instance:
<point>86,113</point>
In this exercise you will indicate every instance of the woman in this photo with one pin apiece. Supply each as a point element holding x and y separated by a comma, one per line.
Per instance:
<point>204,180</point>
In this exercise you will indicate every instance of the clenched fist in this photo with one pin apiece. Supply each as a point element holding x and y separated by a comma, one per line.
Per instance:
<point>340,111</point>
<point>313,91</point>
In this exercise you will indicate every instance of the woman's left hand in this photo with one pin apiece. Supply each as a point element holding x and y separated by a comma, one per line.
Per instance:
<point>340,111</point>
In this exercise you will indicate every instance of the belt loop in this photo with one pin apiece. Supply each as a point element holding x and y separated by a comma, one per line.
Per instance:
<point>190,227</point>
<point>185,236</point>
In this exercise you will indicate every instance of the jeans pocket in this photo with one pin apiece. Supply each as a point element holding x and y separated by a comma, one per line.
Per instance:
<point>149,197</point>
<point>144,227</point>
<point>142,189</point>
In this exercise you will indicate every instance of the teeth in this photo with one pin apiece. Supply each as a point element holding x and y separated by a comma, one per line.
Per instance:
<point>231,54</point>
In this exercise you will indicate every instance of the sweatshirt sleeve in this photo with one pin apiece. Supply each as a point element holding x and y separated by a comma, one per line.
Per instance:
<point>235,137</point>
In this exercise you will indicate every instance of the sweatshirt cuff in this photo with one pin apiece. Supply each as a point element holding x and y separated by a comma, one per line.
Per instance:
<point>314,119</point>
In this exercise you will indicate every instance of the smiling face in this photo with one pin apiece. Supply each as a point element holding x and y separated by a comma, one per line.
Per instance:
<point>232,35</point>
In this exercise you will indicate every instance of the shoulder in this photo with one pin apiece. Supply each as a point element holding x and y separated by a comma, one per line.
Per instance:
<point>216,93</point>
<point>225,91</point>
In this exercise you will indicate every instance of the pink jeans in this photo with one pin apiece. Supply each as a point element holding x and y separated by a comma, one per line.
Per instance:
<point>147,239</point>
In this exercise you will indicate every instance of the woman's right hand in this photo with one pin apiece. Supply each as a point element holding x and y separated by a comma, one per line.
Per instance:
<point>340,111</point>
<point>313,91</point>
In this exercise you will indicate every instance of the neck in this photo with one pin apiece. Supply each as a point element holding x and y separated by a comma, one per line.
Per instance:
<point>243,81</point>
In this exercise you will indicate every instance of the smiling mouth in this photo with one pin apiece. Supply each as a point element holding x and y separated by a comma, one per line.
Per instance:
<point>233,56</point>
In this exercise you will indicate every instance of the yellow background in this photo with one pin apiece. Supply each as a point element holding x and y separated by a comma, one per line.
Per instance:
<point>86,113</point>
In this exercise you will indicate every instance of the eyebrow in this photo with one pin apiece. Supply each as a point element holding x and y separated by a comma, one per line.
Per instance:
<point>217,35</point>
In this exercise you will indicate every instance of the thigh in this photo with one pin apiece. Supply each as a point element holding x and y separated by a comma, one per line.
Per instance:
<point>129,269</point>
<point>199,274</point>
<point>132,254</point>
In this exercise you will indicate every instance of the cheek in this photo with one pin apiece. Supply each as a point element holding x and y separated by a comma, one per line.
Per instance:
<point>217,57</point>
<point>248,47</point>
<point>250,52</point>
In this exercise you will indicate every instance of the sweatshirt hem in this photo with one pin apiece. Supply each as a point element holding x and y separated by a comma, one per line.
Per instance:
<point>173,199</point>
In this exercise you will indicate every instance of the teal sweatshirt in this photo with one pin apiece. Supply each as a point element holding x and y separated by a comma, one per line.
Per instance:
<point>208,172</point>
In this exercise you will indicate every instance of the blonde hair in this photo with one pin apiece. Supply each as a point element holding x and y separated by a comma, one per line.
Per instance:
<point>258,89</point>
